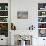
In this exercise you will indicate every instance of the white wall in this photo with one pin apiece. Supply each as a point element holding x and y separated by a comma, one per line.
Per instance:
<point>24,5</point>
<point>32,7</point>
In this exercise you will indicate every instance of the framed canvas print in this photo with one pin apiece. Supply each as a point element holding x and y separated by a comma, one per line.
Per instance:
<point>22,14</point>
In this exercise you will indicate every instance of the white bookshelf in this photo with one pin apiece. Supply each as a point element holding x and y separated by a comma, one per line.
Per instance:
<point>4,12</point>
<point>41,18</point>
<point>4,17</point>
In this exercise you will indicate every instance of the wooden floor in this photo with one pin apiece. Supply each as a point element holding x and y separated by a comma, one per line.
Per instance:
<point>3,45</point>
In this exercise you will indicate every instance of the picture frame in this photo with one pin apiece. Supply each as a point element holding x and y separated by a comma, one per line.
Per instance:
<point>22,14</point>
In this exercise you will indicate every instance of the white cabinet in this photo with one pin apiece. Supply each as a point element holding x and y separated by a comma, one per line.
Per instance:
<point>41,41</point>
<point>3,40</point>
<point>4,21</point>
<point>42,24</point>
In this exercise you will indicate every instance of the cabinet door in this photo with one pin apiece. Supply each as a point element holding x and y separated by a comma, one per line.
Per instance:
<point>41,41</point>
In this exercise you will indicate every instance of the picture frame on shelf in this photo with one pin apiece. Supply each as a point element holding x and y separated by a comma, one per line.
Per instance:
<point>3,19</point>
<point>41,13</point>
<point>41,25</point>
<point>41,19</point>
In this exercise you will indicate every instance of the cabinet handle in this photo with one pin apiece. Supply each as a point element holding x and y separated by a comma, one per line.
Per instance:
<point>1,39</point>
<point>43,39</point>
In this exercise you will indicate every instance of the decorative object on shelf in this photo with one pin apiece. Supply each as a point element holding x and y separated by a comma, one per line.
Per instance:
<point>31,27</point>
<point>6,7</point>
<point>43,13</point>
<point>3,6</point>
<point>3,19</point>
<point>42,32</point>
<point>22,14</point>
<point>4,26</point>
<point>45,7</point>
<point>41,6</point>
<point>40,25</point>
<point>24,37</point>
<point>4,29</point>
<point>0,7</point>
<point>41,19</point>
<point>13,27</point>
<point>3,13</point>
